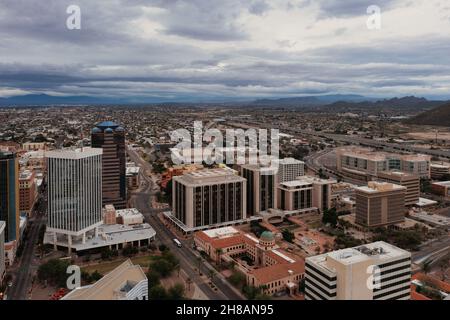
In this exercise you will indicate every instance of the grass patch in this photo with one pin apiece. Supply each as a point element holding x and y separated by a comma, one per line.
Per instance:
<point>108,266</point>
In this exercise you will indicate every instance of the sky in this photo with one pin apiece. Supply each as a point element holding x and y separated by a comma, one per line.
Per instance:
<point>211,50</point>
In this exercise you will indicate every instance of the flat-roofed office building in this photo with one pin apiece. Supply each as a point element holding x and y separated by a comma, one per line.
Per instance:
<point>9,195</point>
<point>380,204</point>
<point>27,191</point>
<point>111,138</point>
<point>2,251</point>
<point>208,197</point>
<point>364,164</point>
<point>261,188</point>
<point>289,169</point>
<point>295,195</point>
<point>439,170</point>
<point>410,181</point>
<point>74,192</point>
<point>375,271</point>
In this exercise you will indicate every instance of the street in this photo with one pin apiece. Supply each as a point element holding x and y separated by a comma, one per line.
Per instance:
<point>188,260</point>
<point>23,272</point>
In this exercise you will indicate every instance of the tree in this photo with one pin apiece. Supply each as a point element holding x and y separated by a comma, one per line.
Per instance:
<point>106,254</point>
<point>129,251</point>
<point>176,292</point>
<point>162,247</point>
<point>288,235</point>
<point>211,274</point>
<point>162,267</point>
<point>251,292</point>
<point>237,278</point>
<point>330,216</point>
<point>54,271</point>
<point>189,282</point>
<point>199,262</point>
<point>157,293</point>
<point>95,276</point>
<point>219,252</point>
<point>153,279</point>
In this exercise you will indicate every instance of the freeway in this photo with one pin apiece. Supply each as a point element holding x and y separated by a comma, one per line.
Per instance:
<point>393,147</point>
<point>188,260</point>
<point>438,246</point>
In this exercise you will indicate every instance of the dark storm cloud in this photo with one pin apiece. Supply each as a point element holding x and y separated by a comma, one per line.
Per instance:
<point>349,8</point>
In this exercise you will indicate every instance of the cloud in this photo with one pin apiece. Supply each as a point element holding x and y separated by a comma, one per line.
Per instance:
<point>175,49</point>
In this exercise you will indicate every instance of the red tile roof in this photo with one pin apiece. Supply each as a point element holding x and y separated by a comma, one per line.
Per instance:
<point>278,271</point>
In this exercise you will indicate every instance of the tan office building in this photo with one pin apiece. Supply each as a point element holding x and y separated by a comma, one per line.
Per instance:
<point>380,204</point>
<point>295,195</point>
<point>439,170</point>
<point>364,164</point>
<point>410,181</point>
<point>208,197</point>
<point>27,191</point>
<point>374,271</point>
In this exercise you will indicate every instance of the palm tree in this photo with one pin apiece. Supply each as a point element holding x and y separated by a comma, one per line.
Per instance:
<point>219,254</point>
<point>188,283</point>
<point>211,274</point>
<point>178,268</point>
<point>199,261</point>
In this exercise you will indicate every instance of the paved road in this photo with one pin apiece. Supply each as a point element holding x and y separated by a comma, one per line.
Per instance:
<point>427,251</point>
<point>188,260</point>
<point>23,275</point>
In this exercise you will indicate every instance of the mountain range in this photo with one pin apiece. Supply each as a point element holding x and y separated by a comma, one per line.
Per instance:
<point>439,116</point>
<point>338,102</point>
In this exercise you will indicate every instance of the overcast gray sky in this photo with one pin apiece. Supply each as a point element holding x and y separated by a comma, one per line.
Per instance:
<point>231,49</point>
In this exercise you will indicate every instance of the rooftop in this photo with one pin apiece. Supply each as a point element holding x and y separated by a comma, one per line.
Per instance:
<point>376,187</point>
<point>108,235</point>
<point>278,271</point>
<point>221,232</point>
<point>442,183</point>
<point>379,251</point>
<point>79,153</point>
<point>209,176</point>
<point>113,286</point>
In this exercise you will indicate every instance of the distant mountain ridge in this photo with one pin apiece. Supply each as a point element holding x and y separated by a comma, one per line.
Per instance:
<point>326,103</point>
<point>409,103</point>
<point>313,100</point>
<point>439,116</point>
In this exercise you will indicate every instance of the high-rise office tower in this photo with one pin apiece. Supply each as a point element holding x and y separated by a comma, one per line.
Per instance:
<point>111,138</point>
<point>261,188</point>
<point>2,251</point>
<point>289,169</point>
<point>380,204</point>
<point>410,181</point>
<point>9,194</point>
<point>374,271</point>
<point>74,193</point>
<point>207,197</point>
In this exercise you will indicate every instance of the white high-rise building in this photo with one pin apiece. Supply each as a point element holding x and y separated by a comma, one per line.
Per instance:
<point>2,250</point>
<point>74,193</point>
<point>374,271</point>
<point>289,169</point>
